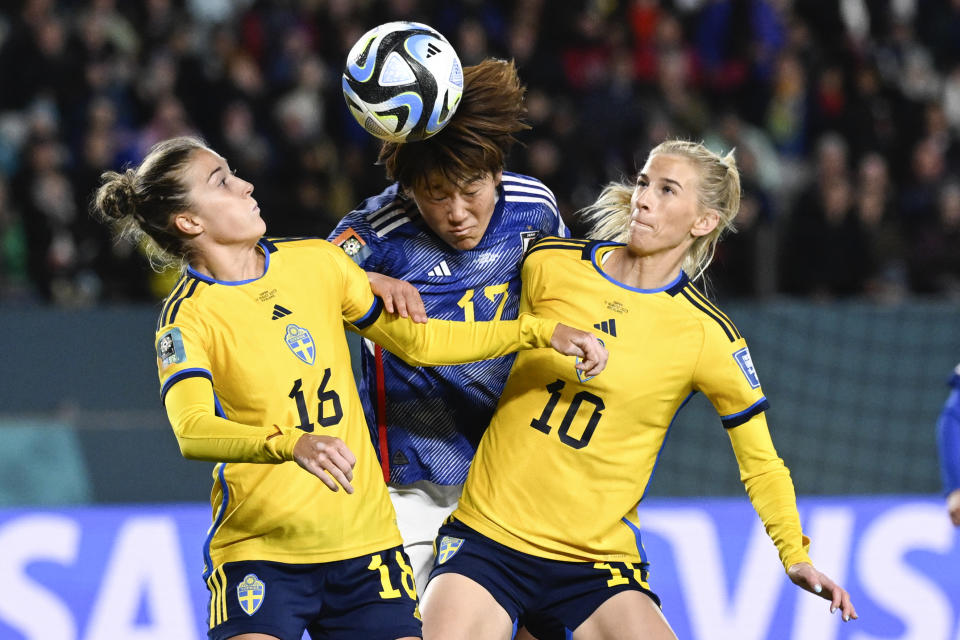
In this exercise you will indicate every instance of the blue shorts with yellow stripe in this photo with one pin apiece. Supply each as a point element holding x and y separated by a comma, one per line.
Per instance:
<point>371,597</point>
<point>524,584</point>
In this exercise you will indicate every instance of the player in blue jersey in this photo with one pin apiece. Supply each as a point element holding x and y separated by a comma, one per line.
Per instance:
<point>255,375</point>
<point>948,441</point>
<point>455,226</point>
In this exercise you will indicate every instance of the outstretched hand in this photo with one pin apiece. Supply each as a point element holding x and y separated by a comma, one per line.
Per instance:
<point>399,296</point>
<point>328,458</point>
<point>573,342</point>
<point>806,576</point>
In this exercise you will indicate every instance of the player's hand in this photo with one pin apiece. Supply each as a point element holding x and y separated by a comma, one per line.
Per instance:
<point>573,342</point>
<point>805,575</point>
<point>327,458</point>
<point>953,506</point>
<point>399,296</point>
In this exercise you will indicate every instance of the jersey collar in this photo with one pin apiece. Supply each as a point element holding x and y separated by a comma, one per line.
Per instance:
<point>234,283</point>
<point>602,248</point>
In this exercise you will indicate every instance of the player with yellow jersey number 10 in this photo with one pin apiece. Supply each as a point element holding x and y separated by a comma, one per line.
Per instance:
<point>255,375</point>
<point>548,521</point>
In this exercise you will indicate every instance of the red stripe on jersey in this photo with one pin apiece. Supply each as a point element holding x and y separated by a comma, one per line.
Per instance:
<point>381,413</point>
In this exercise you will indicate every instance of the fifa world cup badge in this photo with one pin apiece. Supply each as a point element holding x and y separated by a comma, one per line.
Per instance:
<point>170,348</point>
<point>353,245</point>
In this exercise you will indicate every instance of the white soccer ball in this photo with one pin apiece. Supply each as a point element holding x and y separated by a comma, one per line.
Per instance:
<point>402,81</point>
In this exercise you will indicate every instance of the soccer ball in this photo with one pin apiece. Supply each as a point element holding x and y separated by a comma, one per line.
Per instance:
<point>402,81</point>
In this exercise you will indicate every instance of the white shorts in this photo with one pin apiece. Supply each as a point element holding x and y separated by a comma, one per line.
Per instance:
<point>421,509</point>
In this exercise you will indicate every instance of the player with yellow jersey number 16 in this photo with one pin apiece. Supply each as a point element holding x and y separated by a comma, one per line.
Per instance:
<point>548,521</point>
<point>255,375</point>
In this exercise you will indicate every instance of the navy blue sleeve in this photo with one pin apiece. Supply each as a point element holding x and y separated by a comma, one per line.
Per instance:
<point>948,436</point>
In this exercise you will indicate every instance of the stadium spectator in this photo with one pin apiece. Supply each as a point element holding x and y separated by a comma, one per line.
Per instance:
<point>827,256</point>
<point>948,443</point>
<point>884,267</point>
<point>934,259</point>
<point>13,249</point>
<point>521,539</point>
<point>744,264</point>
<point>273,529</point>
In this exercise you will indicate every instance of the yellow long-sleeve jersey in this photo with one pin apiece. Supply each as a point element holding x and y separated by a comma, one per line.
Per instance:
<point>246,368</point>
<point>561,469</point>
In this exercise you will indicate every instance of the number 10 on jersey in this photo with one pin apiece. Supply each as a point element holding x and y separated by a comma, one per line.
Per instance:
<point>581,397</point>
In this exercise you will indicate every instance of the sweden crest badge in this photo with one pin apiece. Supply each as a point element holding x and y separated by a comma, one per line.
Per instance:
<point>581,376</point>
<point>250,593</point>
<point>301,343</point>
<point>448,548</point>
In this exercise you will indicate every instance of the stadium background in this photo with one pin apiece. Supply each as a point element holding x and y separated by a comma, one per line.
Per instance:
<point>844,276</point>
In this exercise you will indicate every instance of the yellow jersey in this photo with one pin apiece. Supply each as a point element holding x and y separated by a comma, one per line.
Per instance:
<point>247,367</point>
<point>563,465</point>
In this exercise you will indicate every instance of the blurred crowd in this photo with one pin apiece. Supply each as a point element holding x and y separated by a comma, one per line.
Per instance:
<point>845,117</point>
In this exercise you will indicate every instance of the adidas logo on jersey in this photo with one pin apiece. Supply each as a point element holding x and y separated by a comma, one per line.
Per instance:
<point>440,270</point>
<point>280,312</point>
<point>399,459</point>
<point>608,326</point>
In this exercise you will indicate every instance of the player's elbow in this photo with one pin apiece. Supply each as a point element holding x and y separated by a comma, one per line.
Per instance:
<point>185,429</point>
<point>188,446</point>
<point>409,358</point>
<point>412,349</point>
<point>770,469</point>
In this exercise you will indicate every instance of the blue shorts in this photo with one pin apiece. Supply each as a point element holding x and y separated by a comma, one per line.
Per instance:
<point>526,585</point>
<point>371,597</point>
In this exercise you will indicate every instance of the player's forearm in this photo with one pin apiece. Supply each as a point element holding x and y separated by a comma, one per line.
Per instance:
<point>774,500</point>
<point>770,488</point>
<point>442,342</point>
<point>202,435</point>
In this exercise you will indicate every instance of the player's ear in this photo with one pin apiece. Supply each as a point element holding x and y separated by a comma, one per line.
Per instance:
<point>705,223</point>
<point>187,223</point>
<point>497,177</point>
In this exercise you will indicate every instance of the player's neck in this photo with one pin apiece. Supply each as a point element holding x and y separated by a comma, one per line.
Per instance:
<point>230,264</point>
<point>642,272</point>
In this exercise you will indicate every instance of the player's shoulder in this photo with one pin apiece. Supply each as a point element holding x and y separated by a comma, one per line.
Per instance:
<point>557,249</point>
<point>302,247</point>
<point>522,192</point>
<point>185,300</point>
<point>558,246</point>
<point>381,216</point>
<point>954,380</point>
<point>519,183</point>
<point>716,324</point>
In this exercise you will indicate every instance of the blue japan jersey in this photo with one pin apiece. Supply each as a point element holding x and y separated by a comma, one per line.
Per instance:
<point>948,436</point>
<point>426,422</point>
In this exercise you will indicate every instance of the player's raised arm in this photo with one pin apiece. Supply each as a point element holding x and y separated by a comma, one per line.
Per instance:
<point>442,342</point>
